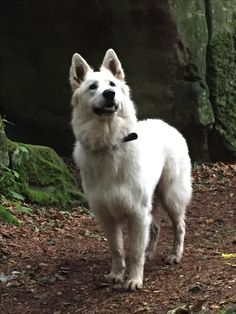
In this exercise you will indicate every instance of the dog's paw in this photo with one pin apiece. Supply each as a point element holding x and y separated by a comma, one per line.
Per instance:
<point>133,284</point>
<point>172,259</point>
<point>150,254</point>
<point>114,278</point>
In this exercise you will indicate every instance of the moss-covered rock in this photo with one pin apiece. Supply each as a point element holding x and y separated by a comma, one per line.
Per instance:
<point>40,175</point>
<point>221,69</point>
<point>4,158</point>
<point>193,111</point>
<point>178,55</point>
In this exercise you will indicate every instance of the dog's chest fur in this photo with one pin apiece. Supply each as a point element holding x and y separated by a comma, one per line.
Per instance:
<point>109,166</point>
<point>110,178</point>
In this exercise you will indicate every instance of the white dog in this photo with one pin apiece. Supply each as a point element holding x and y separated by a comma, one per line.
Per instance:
<point>122,162</point>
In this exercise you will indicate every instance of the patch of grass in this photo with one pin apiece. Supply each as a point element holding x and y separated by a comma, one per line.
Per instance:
<point>8,217</point>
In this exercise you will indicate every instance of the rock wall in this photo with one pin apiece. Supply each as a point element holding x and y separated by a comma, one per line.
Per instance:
<point>221,69</point>
<point>179,58</point>
<point>4,158</point>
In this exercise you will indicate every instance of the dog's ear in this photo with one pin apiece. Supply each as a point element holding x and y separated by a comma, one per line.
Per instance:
<point>112,63</point>
<point>79,68</point>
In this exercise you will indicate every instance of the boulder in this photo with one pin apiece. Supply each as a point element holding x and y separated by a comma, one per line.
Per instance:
<point>39,175</point>
<point>178,55</point>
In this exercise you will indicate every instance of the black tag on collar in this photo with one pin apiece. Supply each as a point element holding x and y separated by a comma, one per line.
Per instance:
<point>130,137</point>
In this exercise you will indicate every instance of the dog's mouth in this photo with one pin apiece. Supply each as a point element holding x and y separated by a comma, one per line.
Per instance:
<point>108,109</point>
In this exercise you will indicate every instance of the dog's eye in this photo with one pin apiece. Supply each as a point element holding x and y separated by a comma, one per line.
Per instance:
<point>112,84</point>
<point>93,86</point>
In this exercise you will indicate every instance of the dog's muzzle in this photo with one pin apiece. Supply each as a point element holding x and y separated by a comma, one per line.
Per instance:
<point>109,106</point>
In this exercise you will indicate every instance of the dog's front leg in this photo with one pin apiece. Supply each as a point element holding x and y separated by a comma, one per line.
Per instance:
<point>113,232</point>
<point>139,234</point>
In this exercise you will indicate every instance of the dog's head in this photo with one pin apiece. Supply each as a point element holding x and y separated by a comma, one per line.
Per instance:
<point>101,94</point>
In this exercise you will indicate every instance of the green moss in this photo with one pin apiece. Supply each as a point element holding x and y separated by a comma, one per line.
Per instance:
<point>204,112</point>
<point>40,175</point>
<point>221,80</point>
<point>192,31</point>
<point>8,217</point>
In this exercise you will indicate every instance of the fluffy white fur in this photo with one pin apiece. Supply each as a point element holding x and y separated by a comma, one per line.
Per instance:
<point>120,178</point>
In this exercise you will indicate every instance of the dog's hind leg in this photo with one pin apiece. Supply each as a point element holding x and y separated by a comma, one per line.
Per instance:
<point>175,193</point>
<point>113,232</point>
<point>175,202</point>
<point>179,234</point>
<point>139,225</point>
<point>154,235</point>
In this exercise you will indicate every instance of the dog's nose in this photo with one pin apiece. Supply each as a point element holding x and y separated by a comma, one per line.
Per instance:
<point>109,94</point>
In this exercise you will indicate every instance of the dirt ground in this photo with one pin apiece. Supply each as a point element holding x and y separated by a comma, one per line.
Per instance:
<point>55,262</point>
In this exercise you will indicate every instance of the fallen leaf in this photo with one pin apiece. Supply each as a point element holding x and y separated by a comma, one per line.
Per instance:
<point>231,265</point>
<point>180,310</point>
<point>228,255</point>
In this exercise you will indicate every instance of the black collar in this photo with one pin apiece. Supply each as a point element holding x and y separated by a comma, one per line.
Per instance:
<point>130,137</point>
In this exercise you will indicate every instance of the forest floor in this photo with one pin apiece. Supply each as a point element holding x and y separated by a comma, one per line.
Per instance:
<point>55,262</point>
